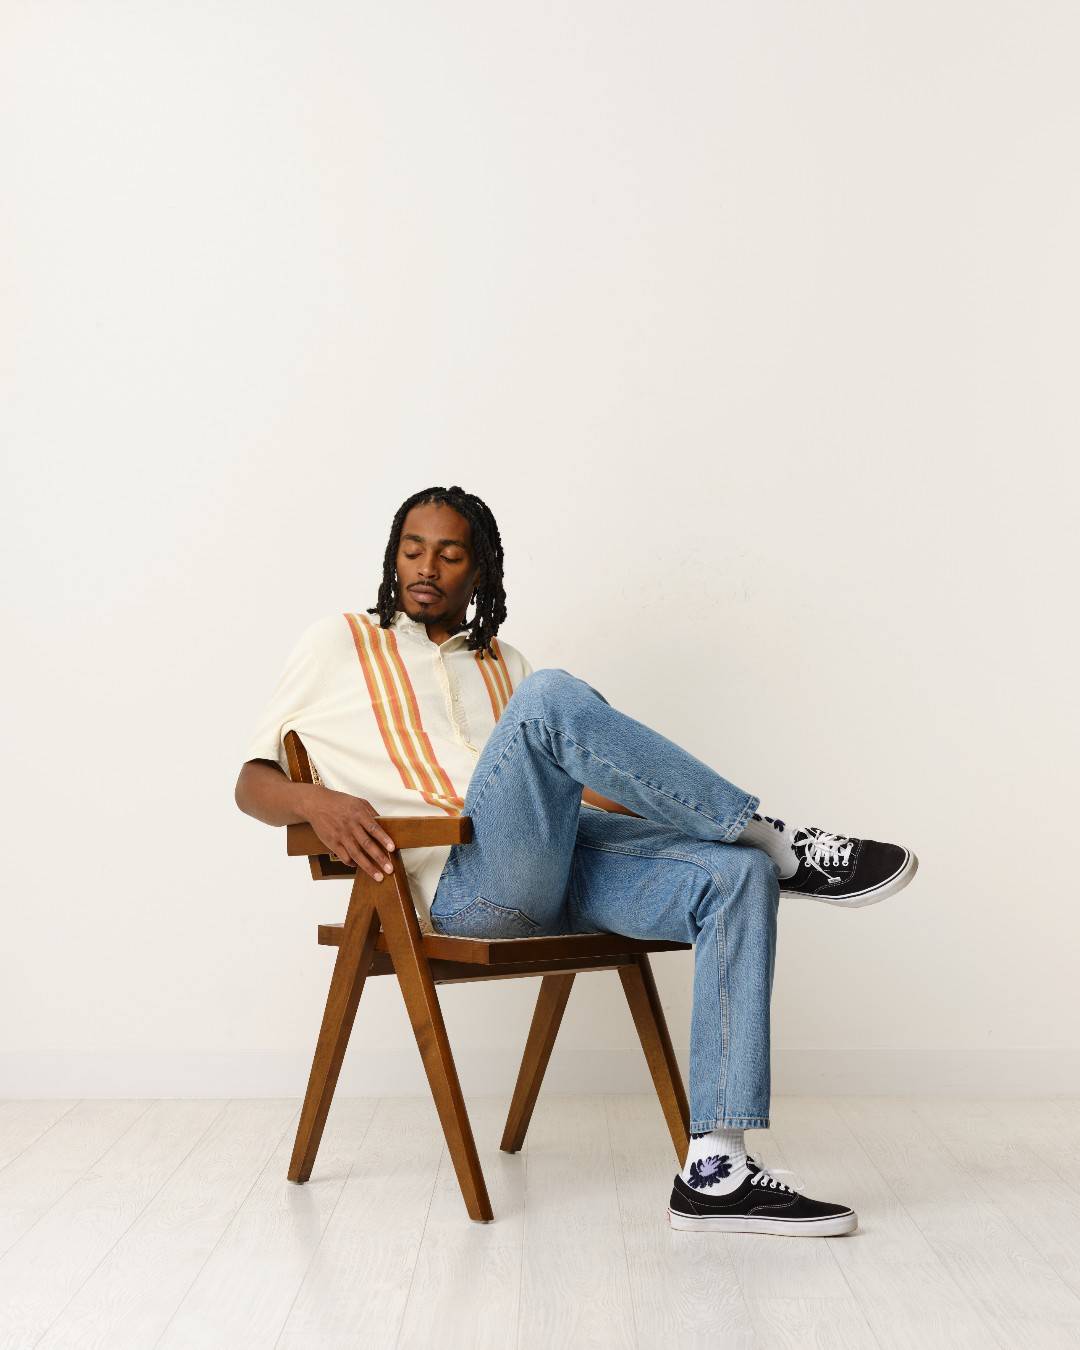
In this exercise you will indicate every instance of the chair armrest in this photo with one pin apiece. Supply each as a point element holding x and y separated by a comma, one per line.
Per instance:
<point>405,831</point>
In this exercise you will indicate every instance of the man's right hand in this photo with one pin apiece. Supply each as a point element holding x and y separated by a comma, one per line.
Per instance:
<point>349,827</point>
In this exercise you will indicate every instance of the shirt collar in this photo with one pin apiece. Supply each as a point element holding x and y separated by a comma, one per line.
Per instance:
<point>404,624</point>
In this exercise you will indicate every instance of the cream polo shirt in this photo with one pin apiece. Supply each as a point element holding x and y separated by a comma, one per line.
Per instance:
<point>389,715</point>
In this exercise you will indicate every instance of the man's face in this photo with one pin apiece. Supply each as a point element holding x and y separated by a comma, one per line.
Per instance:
<point>436,572</point>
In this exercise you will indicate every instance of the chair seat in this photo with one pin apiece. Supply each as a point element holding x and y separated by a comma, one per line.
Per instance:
<point>492,951</point>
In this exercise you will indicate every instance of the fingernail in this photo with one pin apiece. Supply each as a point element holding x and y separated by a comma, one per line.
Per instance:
<point>388,867</point>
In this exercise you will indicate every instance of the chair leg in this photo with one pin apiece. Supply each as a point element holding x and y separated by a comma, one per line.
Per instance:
<point>546,1020</point>
<point>644,1000</point>
<point>405,943</point>
<point>359,935</point>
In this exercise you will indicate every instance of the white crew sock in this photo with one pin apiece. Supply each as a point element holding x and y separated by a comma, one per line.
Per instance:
<point>773,837</point>
<point>715,1161</point>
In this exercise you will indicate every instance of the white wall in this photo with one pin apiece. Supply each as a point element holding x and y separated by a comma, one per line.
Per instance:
<point>756,326</point>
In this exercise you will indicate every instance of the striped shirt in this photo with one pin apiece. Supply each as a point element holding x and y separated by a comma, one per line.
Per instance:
<point>389,715</point>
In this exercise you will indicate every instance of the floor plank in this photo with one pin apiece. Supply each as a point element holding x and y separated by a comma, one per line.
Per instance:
<point>243,1294</point>
<point>906,1293</point>
<point>21,1122</point>
<point>171,1225</point>
<point>129,1299</point>
<point>575,1280</point>
<point>357,1285</point>
<point>41,1173</point>
<point>43,1271</point>
<point>456,1254</point>
<point>968,1227</point>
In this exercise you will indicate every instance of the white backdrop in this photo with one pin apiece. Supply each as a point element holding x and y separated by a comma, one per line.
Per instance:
<point>755,325</point>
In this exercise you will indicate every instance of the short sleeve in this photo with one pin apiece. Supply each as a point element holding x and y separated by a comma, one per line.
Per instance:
<point>526,667</point>
<point>296,691</point>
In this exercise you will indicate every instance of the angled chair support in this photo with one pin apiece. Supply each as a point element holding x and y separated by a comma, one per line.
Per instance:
<point>381,935</point>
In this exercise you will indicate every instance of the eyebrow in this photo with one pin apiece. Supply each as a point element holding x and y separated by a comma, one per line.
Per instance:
<point>421,540</point>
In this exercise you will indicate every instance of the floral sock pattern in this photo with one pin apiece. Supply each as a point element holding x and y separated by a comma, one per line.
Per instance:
<point>706,1171</point>
<point>715,1160</point>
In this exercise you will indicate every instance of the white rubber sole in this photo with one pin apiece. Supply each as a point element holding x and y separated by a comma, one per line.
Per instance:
<point>832,1226</point>
<point>897,883</point>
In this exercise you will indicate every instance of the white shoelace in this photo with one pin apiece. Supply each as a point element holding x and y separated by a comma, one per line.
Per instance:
<point>768,1177</point>
<point>821,849</point>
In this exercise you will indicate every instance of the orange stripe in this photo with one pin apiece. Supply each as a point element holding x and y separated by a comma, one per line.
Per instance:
<point>410,724</point>
<point>379,639</point>
<point>493,692</point>
<point>417,722</point>
<point>377,704</point>
<point>503,669</point>
<point>410,768</point>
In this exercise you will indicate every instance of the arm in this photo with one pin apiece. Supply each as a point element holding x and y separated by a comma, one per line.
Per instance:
<point>265,792</point>
<point>347,825</point>
<point>594,799</point>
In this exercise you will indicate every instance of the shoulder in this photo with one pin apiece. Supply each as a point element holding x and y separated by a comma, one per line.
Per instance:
<point>325,637</point>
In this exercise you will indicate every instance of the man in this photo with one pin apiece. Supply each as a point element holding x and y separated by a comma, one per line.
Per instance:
<point>423,712</point>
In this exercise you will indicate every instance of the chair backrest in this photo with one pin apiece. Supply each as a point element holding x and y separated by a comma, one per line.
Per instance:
<point>301,770</point>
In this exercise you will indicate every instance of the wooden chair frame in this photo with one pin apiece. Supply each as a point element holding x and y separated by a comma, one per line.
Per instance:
<point>381,935</point>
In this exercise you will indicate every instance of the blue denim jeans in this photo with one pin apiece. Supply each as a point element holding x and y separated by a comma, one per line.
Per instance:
<point>541,863</point>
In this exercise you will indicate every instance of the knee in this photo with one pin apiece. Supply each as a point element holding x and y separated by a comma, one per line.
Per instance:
<point>550,683</point>
<point>744,882</point>
<point>755,874</point>
<point>546,678</point>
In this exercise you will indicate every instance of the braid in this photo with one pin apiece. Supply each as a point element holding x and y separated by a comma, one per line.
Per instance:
<point>487,550</point>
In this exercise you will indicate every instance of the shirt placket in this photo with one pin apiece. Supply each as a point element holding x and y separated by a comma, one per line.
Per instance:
<point>454,707</point>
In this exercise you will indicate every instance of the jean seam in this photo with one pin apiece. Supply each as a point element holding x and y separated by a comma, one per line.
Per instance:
<point>743,818</point>
<point>472,805</point>
<point>725,1022</point>
<point>731,1123</point>
<point>667,854</point>
<point>577,889</point>
<point>501,909</point>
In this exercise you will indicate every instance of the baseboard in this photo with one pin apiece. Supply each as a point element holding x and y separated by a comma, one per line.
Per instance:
<point>1020,1071</point>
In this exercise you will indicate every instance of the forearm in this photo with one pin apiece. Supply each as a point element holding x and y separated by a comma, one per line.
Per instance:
<point>264,792</point>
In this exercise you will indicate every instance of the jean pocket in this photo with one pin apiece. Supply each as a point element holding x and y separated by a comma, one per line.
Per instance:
<point>485,919</point>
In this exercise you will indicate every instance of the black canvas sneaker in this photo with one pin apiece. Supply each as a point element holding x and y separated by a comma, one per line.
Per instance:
<point>841,870</point>
<point>762,1204</point>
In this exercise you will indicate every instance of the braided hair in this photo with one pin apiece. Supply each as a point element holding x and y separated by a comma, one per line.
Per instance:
<point>487,551</point>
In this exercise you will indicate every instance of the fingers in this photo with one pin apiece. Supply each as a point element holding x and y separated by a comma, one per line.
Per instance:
<point>369,822</point>
<point>360,839</point>
<point>357,851</point>
<point>367,848</point>
<point>371,834</point>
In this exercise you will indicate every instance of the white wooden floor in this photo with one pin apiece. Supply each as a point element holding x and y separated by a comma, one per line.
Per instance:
<point>170,1224</point>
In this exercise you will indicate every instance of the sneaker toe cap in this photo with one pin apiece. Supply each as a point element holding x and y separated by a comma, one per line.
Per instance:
<point>892,858</point>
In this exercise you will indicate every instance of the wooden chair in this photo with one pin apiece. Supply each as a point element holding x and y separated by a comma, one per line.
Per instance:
<point>381,935</point>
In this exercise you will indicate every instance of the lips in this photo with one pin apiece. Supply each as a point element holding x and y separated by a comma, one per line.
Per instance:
<point>424,593</point>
